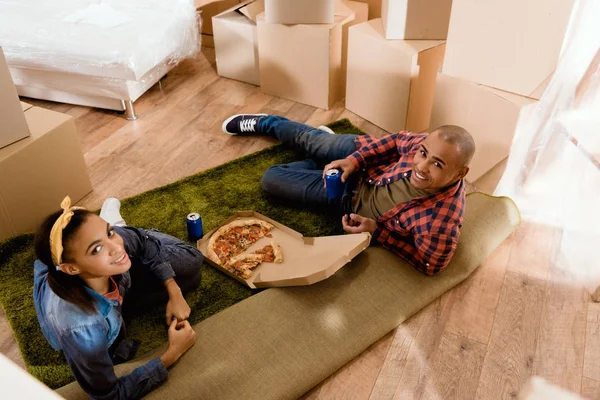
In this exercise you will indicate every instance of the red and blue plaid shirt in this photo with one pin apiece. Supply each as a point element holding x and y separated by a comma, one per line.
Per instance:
<point>425,230</point>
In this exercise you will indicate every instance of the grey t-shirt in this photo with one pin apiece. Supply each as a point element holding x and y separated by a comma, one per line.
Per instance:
<point>374,201</point>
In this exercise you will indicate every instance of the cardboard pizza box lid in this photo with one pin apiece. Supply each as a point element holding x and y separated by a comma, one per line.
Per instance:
<point>306,260</point>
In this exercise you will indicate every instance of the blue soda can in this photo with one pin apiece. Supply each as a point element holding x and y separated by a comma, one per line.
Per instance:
<point>194,227</point>
<point>333,182</point>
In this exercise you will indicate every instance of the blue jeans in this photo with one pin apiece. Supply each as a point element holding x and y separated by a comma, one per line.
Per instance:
<point>146,289</point>
<point>301,182</point>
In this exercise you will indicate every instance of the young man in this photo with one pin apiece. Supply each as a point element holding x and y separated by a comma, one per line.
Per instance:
<point>409,187</point>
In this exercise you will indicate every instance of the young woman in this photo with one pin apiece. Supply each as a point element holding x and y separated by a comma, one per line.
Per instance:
<point>86,273</point>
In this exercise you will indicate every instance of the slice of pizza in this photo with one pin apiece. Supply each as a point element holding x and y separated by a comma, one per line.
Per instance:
<point>243,265</point>
<point>234,238</point>
<point>272,253</point>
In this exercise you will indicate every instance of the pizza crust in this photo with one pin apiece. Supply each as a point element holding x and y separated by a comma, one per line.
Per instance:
<point>244,264</point>
<point>277,252</point>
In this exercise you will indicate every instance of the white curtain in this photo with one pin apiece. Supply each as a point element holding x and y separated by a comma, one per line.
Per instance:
<point>553,172</point>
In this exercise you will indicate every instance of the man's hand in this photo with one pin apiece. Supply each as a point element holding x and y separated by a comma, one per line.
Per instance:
<point>344,164</point>
<point>357,224</point>
<point>177,307</point>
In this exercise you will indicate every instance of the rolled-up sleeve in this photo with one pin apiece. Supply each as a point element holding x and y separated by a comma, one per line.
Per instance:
<point>147,250</point>
<point>428,253</point>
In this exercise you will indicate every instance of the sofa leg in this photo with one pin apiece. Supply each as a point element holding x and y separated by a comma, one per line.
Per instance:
<point>129,110</point>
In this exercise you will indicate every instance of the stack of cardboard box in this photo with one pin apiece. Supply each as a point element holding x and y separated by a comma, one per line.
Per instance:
<point>393,62</point>
<point>40,161</point>
<point>499,58</point>
<point>293,49</point>
<point>207,10</point>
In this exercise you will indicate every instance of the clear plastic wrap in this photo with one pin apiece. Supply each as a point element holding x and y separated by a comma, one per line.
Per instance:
<point>108,46</point>
<point>553,172</point>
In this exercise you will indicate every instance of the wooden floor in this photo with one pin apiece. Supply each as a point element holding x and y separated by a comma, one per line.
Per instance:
<point>517,316</point>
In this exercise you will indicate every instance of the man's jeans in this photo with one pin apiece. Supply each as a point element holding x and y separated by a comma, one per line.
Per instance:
<point>301,182</point>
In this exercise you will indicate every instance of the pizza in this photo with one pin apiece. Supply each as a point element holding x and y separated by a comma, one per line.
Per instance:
<point>227,244</point>
<point>243,265</point>
<point>234,238</point>
<point>271,252</point>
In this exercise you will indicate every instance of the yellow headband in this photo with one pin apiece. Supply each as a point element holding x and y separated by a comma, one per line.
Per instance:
<point>56,245</point>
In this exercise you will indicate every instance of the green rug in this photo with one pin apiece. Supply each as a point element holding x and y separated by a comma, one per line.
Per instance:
<point>215,194</point>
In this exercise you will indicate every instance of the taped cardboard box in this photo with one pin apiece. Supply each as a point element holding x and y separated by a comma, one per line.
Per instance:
<point>13,126</point>
<point>490,116</point>
<point>303,63</point>
<point>236,43</point>
<point>36,173</point>
<point>299,11</point>
<point>391,83</point>
<point>305,260</point>
<point>416,19</point>
<point>511,45</point>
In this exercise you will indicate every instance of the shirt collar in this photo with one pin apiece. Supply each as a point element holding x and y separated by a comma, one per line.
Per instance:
<point>449,191</point>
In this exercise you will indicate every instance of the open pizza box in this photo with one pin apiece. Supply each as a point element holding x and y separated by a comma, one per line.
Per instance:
<point>305,260</point>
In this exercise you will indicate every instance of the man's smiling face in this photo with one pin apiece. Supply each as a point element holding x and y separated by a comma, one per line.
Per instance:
<point>437,164</point>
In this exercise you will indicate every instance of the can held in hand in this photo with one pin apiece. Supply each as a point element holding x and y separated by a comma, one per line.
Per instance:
<point>333,182</point>
<point>194,227</point>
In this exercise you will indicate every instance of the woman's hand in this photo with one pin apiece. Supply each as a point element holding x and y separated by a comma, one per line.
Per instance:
<point>344,164</point>
<point>181,338</point>
<point>357,224</point>
<point>177,307</point>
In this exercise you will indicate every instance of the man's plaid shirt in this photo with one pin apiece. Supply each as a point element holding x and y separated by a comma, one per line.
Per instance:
<point>425,230</point>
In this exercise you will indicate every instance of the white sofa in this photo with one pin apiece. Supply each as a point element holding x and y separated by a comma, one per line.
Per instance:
<point>99,53</point>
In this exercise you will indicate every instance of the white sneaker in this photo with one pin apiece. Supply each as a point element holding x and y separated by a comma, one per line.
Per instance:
<point>111,212</point>
<point>326,129</point>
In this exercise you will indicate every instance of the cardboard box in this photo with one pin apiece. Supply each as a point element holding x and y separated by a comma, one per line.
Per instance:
<point>36,173</point>
<point>416,19</point>
<point>210,8</point>
<point>299,11</point>
<point>374,8</point>
<point>510,45</point>
<point>303,63</point>
<point>305,260</point>
<point>13,126</point>
<point>391,82</point>
<point>490,115</point>
<point>236,43</point>
<point>17,383</point>
<point>488,182</point>
<point>361,14</point>
<point>208,41</point>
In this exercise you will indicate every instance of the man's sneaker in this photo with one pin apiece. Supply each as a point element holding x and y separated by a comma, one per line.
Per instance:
<point>326,129</point>
<point>242,124</point>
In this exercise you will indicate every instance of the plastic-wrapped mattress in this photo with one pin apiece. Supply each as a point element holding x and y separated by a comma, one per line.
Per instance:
<point>98,48</point>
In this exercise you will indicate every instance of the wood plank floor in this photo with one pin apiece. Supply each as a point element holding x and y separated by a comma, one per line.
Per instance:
<point>515,317</point>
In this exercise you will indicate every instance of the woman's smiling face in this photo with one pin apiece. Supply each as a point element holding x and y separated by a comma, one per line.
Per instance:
<point>96,250</point>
